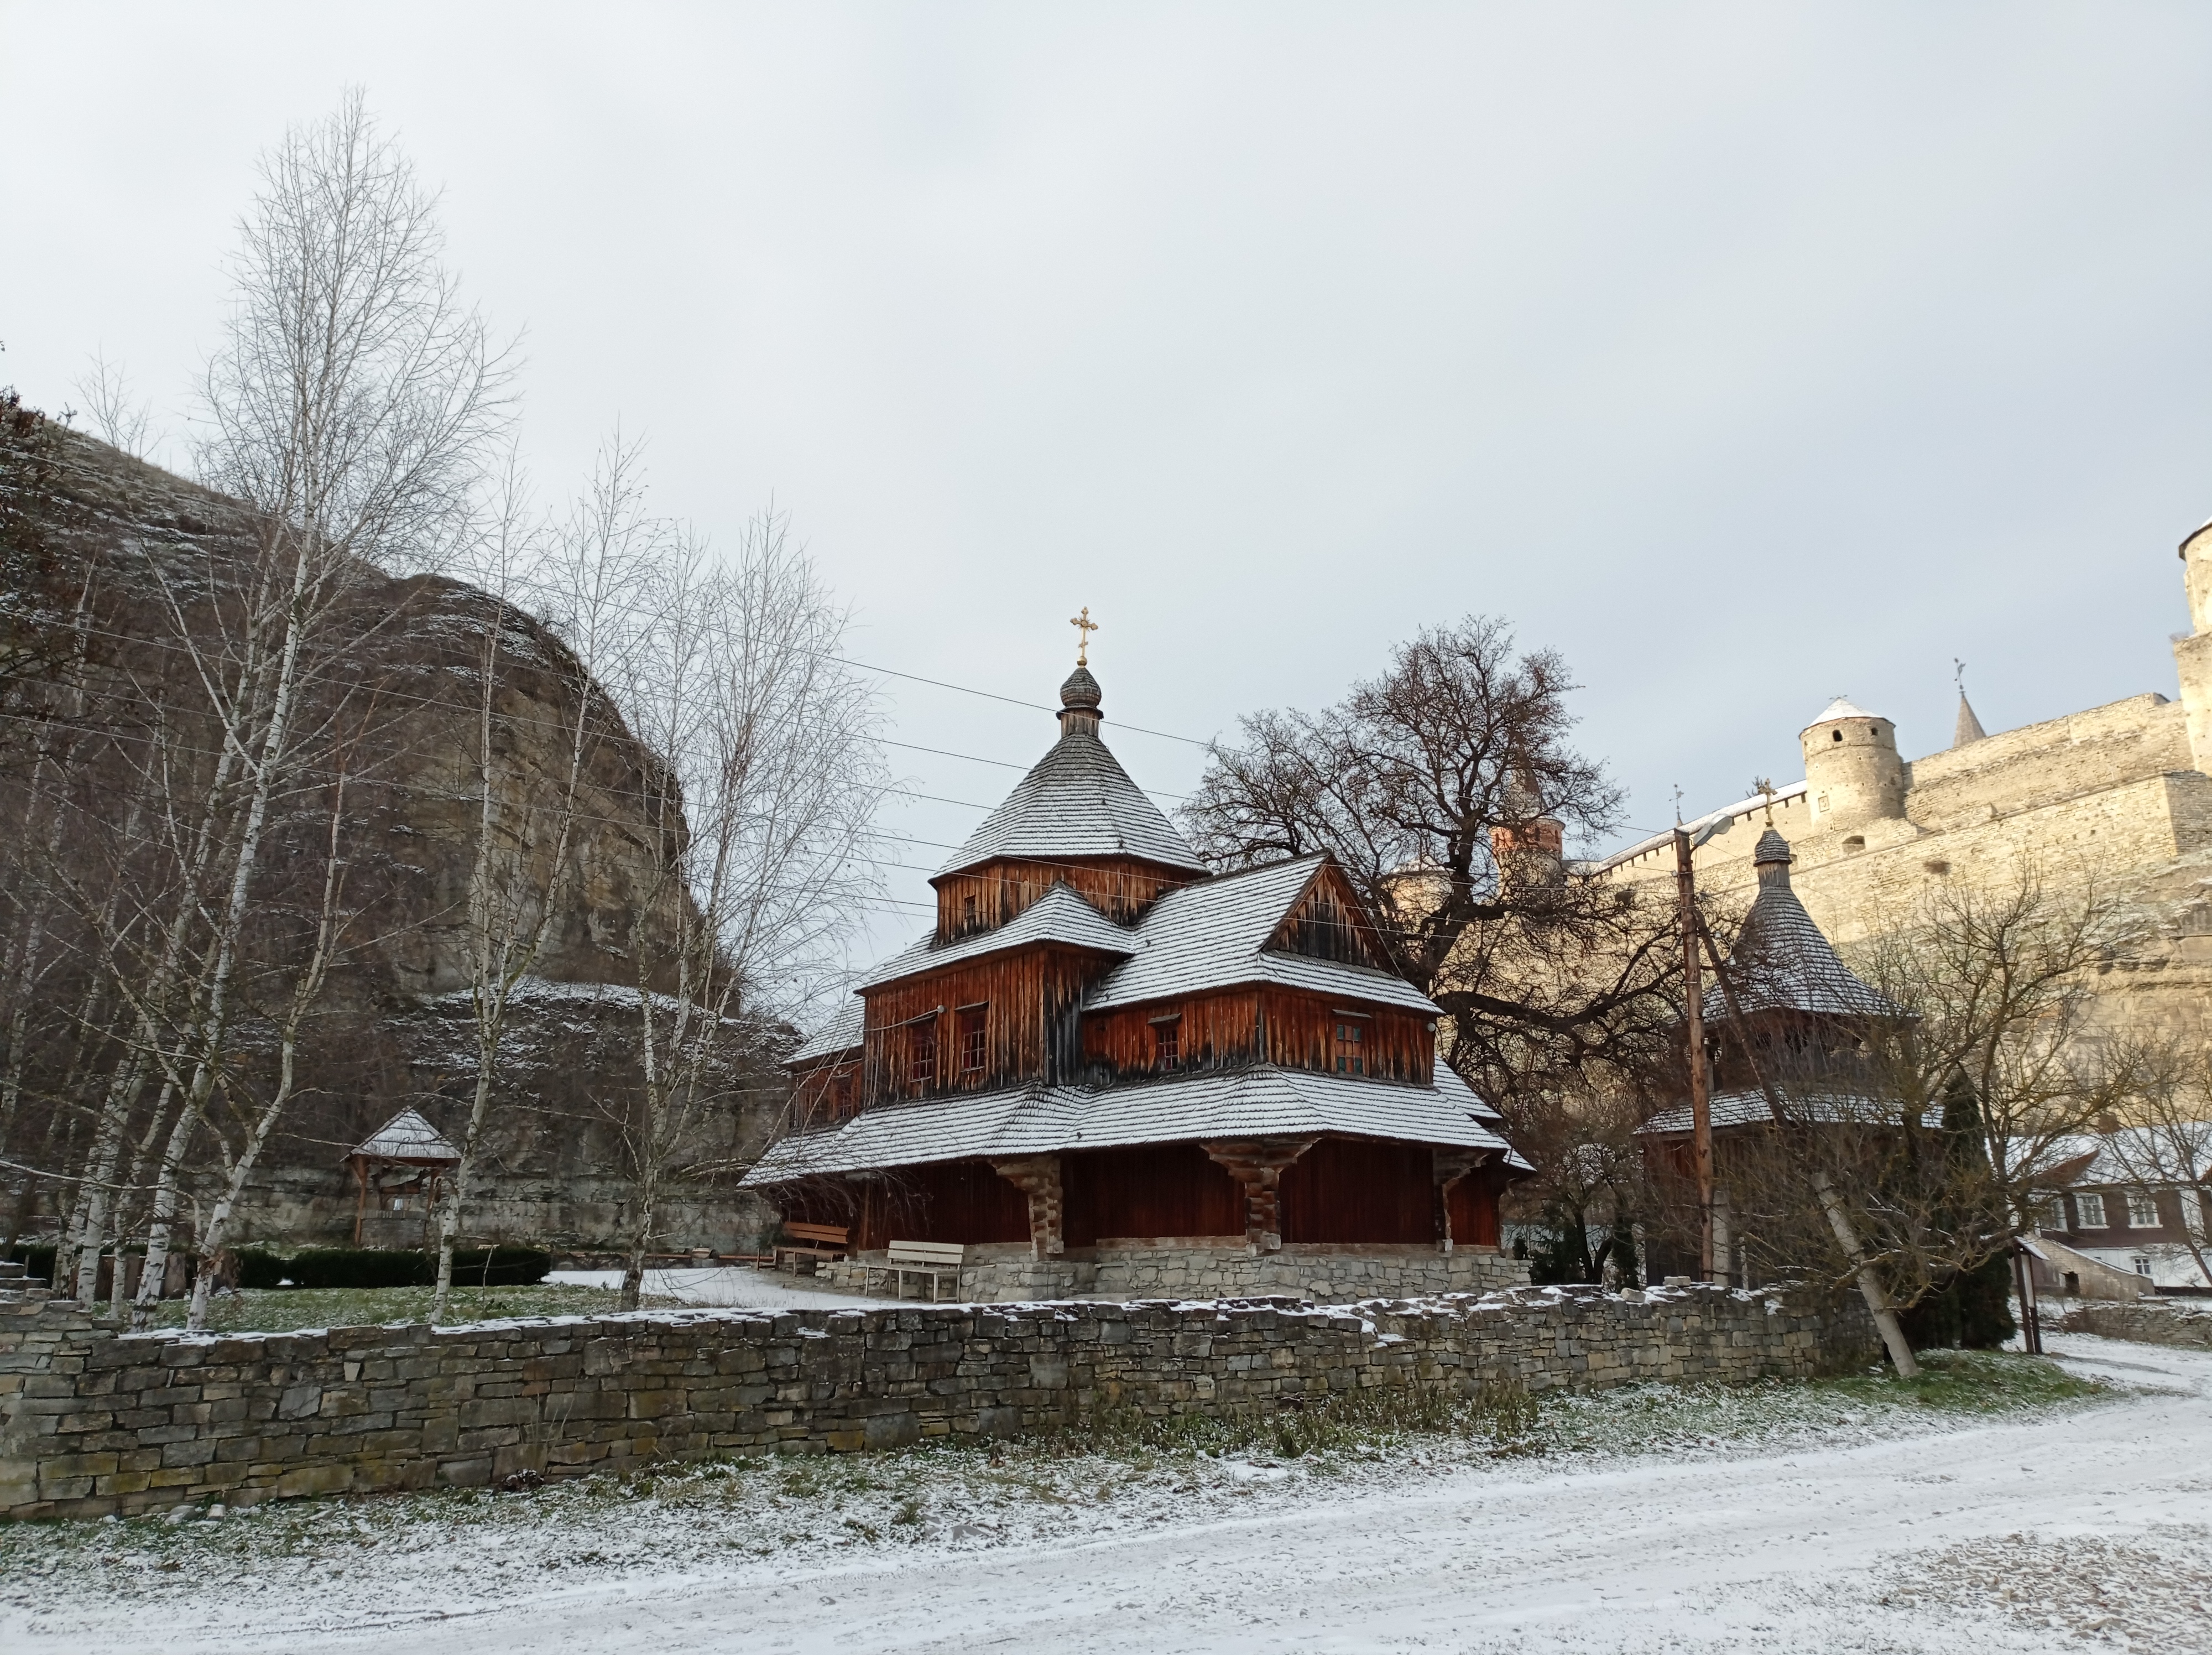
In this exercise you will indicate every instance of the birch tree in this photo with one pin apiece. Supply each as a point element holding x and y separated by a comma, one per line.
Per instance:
<point>348,407</point>
<point>521,874</point>
<point>759,808</point>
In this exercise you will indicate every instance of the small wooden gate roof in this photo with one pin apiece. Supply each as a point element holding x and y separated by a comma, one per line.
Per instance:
<point>410,1139</point>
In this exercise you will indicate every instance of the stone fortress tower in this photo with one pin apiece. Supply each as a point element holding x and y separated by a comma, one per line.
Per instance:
<point>2121,794</point>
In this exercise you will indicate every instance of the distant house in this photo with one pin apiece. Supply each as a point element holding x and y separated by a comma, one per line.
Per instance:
<point>2116,1199</point>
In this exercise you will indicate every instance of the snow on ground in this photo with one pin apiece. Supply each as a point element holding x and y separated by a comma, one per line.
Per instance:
<point>720,1286</point>
<point>1770,1519</point>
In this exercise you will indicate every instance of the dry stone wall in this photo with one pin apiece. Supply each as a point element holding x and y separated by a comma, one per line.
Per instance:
<point>2149,1321</point>
<point>94,1420</point>
<point>1325,1273</point>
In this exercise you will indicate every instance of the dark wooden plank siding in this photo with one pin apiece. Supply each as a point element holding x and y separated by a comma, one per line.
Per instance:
<point>985,897</point>
<point>1352,1189</point>
<point>1474,1203</point>
<point>1149,1190</point>
<point>1031,1007</point>
<point>1329,922</point>
<point>1227,1030</point>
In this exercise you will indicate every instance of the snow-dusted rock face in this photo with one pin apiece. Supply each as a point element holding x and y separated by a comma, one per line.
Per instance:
<point>403,681</point>
<point>102,1422</point>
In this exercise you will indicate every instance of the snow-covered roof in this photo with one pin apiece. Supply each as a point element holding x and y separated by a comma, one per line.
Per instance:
<point>1841,707</point>
<point>1721,821</point>
<point>1747,1106</point>
<point>1037,1119</point>
<point>1785,961</point>
<point>407,1137</point>
<point>1211,935</point>
<point>1077,801</point>
<point>2141,1156</point>
<point>841,1033</point>
<point>1060,916</point>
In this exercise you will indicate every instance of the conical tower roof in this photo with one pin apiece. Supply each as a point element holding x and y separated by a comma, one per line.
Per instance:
<point>1782,960</point>
<point>1076,801</point>
<point>1968,728</point>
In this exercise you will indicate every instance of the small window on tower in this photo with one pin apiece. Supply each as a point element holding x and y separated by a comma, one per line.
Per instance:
<point>1166,1045</point>
<point>973,1045</point>
<point>1350,1050</point>
<point>967,910</point>
<point>921,1053</point>
<point>841,1096</point>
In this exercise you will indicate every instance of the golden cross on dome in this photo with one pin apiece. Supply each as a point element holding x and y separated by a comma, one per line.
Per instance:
<point>1085,626</point>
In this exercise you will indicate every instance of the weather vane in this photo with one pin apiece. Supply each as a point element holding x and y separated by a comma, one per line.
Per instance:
<point>1085,626</point>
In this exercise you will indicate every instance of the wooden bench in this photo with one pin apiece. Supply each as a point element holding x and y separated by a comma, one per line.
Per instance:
<point>938,1262</point>
<point>814,1242</point>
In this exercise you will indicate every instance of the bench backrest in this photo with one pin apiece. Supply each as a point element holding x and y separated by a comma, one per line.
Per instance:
<point>942,1253</point>
<point>832,1235</point>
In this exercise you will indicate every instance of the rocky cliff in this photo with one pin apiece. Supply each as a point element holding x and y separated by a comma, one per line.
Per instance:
<point>101,706</point>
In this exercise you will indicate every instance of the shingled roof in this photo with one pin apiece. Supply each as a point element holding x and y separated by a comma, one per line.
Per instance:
<point>1038,1119</point>
<point>1213,936</point>
<point>1060,916</point>
<point>1077,801</point>
<point>407,1137</point>
<point>1785,961</point>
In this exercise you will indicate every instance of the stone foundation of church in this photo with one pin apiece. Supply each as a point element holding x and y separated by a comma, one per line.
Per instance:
<point>1323,1273</point>
<point>94,1421</point>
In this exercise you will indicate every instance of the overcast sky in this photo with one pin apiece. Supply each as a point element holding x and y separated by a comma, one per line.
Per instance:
<point>1747,355</point>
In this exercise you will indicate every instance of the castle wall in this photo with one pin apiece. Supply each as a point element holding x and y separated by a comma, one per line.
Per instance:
<point>2109,795</point>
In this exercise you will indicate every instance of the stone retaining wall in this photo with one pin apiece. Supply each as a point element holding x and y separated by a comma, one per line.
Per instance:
<point>2153,1321</point>
<point>1326,1272</point>
<point>94,1420</point>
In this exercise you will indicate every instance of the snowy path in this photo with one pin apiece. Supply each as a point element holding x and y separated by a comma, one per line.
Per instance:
<point>721,1287</point>
<point>1901,1545</point>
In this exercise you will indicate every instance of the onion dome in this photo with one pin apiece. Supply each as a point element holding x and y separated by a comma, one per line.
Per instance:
<point>1081,690</point>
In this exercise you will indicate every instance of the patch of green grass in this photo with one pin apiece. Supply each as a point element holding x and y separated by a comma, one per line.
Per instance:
<point>1968,1382</point>
<point>283,1310</point>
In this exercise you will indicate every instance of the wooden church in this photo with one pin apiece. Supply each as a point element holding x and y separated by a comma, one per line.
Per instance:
<point>1103,1044</point>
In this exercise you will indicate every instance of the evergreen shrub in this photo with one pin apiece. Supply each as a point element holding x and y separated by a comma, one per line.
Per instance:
<point>391,1267</point>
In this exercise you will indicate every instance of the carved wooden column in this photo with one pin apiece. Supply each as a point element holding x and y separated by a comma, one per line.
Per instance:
<point>1452,1166</point>
<point>1037,1176</point>
<point>1257,1164</point>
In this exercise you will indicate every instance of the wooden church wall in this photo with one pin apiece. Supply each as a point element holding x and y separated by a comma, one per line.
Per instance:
<point>983,899</point>
<point>1147,1191</point>
<point>1297,1030</point>
<point>1473,1205</point>
<point>1029,1003</point>
<point>1350,1189</point>
<point>825,1094</point>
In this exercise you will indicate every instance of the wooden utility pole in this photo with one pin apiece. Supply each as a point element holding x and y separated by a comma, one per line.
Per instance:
<point>1701,1108</point>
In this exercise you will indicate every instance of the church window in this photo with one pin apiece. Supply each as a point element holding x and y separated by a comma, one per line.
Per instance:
<point>1167,1043</point>
<point>2142,1210</point>
<point>841,1096</point>
<point>921,1054</point>
<point>2089,1212</point>
<point>1350,1050</point>
<point>968,910</point>
<point>973,1044</point>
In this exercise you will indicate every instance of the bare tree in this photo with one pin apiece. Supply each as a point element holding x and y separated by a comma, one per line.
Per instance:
<point>522,871</point>
<point>115,418</point>
<point>1438,786</point>
<point>760,807</point>
<point>1905,1153</point>
<point>348,407</point>
<point>2168,1145</point>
